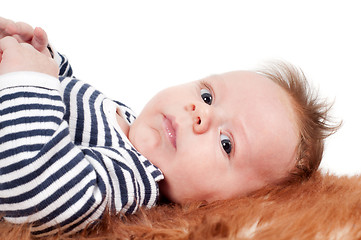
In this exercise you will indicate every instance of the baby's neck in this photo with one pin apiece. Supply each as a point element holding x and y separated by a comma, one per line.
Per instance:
<point>122,123</point>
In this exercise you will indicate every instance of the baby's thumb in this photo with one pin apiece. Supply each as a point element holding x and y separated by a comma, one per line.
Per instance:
<point>40,39</point>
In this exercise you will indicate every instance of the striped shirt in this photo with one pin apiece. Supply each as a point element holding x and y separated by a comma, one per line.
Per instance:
<point>64,160</point>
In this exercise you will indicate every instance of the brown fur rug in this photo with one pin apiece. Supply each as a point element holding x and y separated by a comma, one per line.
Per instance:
<point>325,207</point>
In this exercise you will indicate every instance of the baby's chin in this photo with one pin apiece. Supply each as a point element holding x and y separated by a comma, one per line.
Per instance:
<point>146,140</point>
<point>168,194</point>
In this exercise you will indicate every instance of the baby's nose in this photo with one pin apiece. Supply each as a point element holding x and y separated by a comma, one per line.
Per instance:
<point>201,117</point>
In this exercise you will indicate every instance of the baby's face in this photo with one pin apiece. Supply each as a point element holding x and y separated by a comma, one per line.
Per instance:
<point>218,138</point>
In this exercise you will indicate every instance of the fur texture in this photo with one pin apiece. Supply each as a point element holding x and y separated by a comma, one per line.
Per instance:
<point>324,207</point>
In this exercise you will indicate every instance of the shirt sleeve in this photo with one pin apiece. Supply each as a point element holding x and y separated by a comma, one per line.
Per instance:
<point>44,178</point>
<point>65,69</point>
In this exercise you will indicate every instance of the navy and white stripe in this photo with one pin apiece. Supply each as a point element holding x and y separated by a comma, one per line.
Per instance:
<point>62,161</point>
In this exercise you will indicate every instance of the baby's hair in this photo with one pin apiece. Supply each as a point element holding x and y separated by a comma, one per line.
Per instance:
<point>312,117</point>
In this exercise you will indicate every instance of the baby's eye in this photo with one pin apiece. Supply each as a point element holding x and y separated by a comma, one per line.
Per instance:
<point>226,144</point>
<point>206,96</point>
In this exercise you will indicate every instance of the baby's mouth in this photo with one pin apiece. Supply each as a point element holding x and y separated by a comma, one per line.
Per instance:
<point>170,128</point>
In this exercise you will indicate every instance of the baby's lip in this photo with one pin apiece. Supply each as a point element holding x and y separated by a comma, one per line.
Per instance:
<point>170,128</point>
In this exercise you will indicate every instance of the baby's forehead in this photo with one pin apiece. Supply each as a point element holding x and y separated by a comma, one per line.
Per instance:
<point>246,82</point>
<point>241,76</point>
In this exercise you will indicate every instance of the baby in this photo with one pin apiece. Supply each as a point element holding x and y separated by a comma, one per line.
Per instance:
<point>68,153</point>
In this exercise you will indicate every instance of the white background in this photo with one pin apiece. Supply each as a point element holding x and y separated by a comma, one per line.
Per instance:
<point>132,49</point>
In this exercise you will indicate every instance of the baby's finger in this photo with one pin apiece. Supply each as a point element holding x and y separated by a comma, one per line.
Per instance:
<point>4,22</point>
<point>40,39</point>
<point>7,27</point>
<point>24,32</point>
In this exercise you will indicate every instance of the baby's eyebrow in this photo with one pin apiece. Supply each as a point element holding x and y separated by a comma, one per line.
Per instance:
<point>217,76</point>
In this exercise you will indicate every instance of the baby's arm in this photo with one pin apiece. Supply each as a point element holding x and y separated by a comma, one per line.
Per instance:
<point>45,179</point>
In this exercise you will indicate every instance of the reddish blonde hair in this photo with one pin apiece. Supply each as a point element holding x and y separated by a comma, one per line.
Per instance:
<point>312,114</point>
<point>309,210</point>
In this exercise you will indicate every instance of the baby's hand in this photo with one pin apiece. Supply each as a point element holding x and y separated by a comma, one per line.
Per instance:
<point>15,56</point>
<point>24,33</point>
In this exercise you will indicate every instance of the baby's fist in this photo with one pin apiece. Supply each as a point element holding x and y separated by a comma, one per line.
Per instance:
<point>16,56</point>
